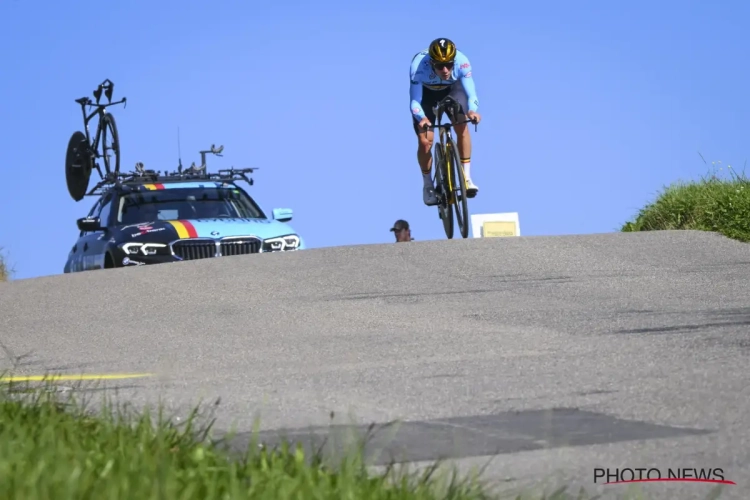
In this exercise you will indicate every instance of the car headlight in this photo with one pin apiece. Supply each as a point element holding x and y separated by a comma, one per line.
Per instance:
<point>282,243</point>
<point>133,248</point>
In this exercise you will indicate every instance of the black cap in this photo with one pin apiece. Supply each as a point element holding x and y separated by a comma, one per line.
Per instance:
<point>399,225</point>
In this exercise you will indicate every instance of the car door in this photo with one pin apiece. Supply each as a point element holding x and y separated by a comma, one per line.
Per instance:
<point>77,261</point>
<point>94,242</point>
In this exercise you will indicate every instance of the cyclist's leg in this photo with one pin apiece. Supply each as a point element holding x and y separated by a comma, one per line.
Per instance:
<point>463,137</point>
<point>424,144</point>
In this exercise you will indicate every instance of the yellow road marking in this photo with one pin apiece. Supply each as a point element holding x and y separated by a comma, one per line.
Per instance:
<point>82,376</point>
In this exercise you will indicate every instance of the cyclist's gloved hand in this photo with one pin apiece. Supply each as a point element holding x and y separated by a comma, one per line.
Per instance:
<point>424,122</point>
<point>473,116</point>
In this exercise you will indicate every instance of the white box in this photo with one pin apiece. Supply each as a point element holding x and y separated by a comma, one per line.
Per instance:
<point>495,225</point>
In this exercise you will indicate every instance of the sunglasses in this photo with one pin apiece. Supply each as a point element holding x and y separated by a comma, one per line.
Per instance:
<point>440,66</point>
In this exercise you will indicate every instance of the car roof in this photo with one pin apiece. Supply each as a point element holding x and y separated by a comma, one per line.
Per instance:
<point>142,180</point>
<point>158,186</point>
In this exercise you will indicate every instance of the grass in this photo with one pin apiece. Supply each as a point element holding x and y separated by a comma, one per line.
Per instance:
<point>715,204</point>
<point>4,271</point>
<point>54,450</point>
<point>50,448</point>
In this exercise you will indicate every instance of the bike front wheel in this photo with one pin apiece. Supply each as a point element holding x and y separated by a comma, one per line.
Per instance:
<point>459,189</point>
<point>443,191</point>
<point>108,122</point>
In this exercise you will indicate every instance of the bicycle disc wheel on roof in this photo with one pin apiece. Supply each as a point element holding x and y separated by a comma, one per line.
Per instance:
<point>78,165</point>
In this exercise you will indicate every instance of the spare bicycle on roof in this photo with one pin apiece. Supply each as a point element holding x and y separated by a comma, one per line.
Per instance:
<point>83,154</point>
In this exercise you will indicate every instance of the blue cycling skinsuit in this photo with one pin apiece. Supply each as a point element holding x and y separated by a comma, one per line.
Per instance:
<point>427,88</point>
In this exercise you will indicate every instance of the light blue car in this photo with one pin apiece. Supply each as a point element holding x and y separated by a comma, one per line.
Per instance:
<point>155,219</point>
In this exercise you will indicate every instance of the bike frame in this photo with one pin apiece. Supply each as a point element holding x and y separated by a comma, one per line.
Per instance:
<point>82,153</point>
<point>445,139</point>
<point>99,111</point>
<point>108,88</point>
<point>447,147</point>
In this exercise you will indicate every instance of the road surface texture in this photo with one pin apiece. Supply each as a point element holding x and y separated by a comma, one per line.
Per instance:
<point>547,357</point>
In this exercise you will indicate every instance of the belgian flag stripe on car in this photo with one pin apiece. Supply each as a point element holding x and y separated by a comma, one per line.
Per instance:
<point>154,187</point>
<point>184,229</point>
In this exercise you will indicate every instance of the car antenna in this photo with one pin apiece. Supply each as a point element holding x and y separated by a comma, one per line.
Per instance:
<point>179,153</point>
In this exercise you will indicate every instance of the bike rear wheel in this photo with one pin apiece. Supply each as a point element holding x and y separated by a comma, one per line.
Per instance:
<point>78,165</point>
<point>108,121</point>
<point>459,189</point>
<point>442,190</point>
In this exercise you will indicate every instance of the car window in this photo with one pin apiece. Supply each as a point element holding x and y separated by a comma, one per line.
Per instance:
<point>106,210</point>
<point>186,203</point>
<point>95,209</point>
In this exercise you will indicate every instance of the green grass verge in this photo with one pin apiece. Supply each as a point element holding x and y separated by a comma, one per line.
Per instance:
<point>715,204</point>
<point>50,448</point>
<point>55,448</point>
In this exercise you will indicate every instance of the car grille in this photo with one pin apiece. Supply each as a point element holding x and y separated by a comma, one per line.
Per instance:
<point>242,246</point>
<point>192,250</point>
<point>206,249</point>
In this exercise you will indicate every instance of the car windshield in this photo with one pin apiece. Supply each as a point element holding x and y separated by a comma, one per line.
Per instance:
<point>186,203</point>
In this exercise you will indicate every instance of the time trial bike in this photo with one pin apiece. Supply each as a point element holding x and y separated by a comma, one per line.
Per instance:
<point>449,179</point>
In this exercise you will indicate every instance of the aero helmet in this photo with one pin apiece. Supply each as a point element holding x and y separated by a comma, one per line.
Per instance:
<point>442,50</point>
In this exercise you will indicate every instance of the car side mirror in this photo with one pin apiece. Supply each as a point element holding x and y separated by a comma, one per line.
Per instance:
<point>283,214</point>
<point>89,223</point>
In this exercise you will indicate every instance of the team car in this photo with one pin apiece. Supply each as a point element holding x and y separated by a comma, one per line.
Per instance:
<point>146,217</point>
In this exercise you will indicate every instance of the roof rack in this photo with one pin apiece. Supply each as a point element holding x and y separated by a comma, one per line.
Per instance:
<point>198,173</point>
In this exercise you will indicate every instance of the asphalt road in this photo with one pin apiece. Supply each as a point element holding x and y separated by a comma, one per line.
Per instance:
<point>557,355</point>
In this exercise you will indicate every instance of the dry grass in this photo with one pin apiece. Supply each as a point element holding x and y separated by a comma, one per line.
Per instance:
<point>4,271</point>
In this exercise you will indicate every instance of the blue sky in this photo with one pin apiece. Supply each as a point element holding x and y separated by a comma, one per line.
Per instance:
<point>589,108</point>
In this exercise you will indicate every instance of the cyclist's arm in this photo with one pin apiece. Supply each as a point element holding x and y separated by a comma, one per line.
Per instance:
<point>415,94</point>
<point>415,87</point>
<point>467,80</point>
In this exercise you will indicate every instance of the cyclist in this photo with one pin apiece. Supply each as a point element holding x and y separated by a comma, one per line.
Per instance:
<point>434,74</point>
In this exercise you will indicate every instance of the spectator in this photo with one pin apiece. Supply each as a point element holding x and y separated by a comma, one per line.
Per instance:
<point>401,231</point>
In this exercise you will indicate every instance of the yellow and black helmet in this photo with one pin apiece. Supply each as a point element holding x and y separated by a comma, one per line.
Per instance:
<point>442,50</point>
